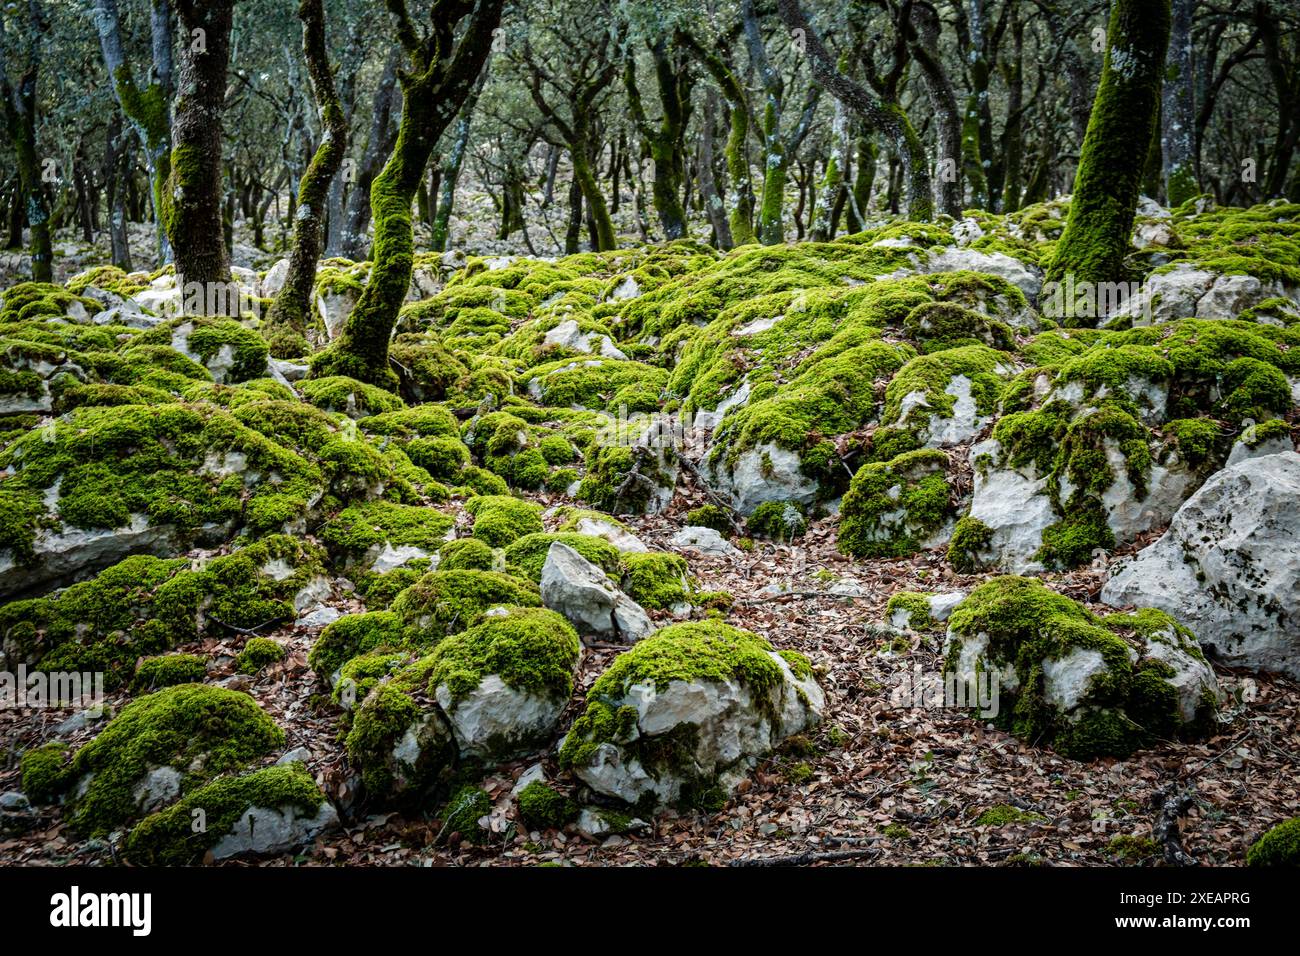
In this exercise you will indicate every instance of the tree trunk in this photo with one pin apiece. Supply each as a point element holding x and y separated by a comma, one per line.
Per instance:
<point>352,239</point>
<point>114,156</point>
<point>452,166</point>
<point>1097,233</point>
<point>832,179</point>
<point>192,201</point>
<point>713,204</point>
<point>289,313</point>
<point>443,72</point>
<point>1177,114</point>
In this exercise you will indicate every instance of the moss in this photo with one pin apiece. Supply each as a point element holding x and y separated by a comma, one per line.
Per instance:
<point>173,727</point>
<point>1264,432</point>
<point>211,339</point>
<point>155,673</point>
<point>359,676</point>
<point>1004,814</point>
<point>379,590</point>
<point>777,520</point>
<point>1124,708</point>
<point>500,520</point>
<point>530,649</point>
<point>1198,440</point>
<point>891,508</point>
<point>371,524</point>
<point>970,540</point>
<point>44,772</point>
<point>710,516</point>
<point>1132,849</point>
<point>464,810</point>
<point>542,807</point>
<point>917,608</point>
<point>656,580</point>
<point>338,393</point>
<point>422,421</point>
<point>443,602</point>
<point>482,482</point>
<point>608,485</point>
<point>945,325</point>
<point>1279,846</point>
<point>1254,389</point>
<point>705,650</point>
<point>168,838</point>
<point>597,383</point>
<point>931,376</point>
<point>354,635</point>
<point>259,652</point>
<point>527,555</point>
<point>442,456</point>
<point>471,554</point>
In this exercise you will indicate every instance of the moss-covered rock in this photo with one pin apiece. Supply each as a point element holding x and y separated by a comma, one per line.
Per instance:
<point>162,746</point>
<point>444,602</point>
<point>155,673</point>
<point>527,555</point>
<point>358,634</point>
<point>259,652</point>
<point>682,715</point>
<point>1280,846</point>
<point>777,520</point>
<point>385,535</point>
<point>542,807</point>
<point>266,812</point>
<point>1088,685</point>
<point>896,508</point>
<point>656,579</point>
<point>500,520</point>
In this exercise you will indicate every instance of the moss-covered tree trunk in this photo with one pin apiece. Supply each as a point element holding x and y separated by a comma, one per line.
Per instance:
<point>1177,114</point>
<point>1106,186</point>
<point>289,313</point>
<point>443,70</point>
<point>191,203</point>
<point>352,241</point>
<point>147,109</point>
<point>666,140</point>
<point>20,123</point>
<point>828,193</point>
<point>943,100</point>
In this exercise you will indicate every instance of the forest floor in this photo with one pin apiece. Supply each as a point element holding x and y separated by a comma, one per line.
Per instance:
<point>877,784</point>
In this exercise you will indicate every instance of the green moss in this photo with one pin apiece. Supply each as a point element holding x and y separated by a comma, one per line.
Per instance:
<point>471,554</point>
<point>259,652</point>
<point>155,673</point>
<point>931,376</point>
<point>945,325</point>
<point>443,602</point>
<point>1004,814</point>
<point>371,524</point>
<point>173,727</point>
<point>542,807</point>
<point>1279,846</point>
<point>354,635</point>
<point>598,383</point>
<point>710,516</point>
<point>1132,849</point>
<point>359,676</point>
<point>892,507</point>
<point>500,520</point>
<point>970,540</point>
<point>168,838</point>
<point>379,590</point>
<point>338,393</point>
<point>1198,440</point>
<point>44,772</point>
<point>464,810</point>
<point>608,484</point>
<point>527,555</point>
<point>208,338</point>
<point>442,456</point>
<point>656,580</point>
<point>917,608</point>
<point>777,520</point>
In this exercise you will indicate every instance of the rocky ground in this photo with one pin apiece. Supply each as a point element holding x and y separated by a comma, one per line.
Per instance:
<point>888,423</point>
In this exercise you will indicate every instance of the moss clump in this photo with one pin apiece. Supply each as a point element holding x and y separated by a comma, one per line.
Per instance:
<point>481,481</point>
<point>380,590</point>
<point>443,602</point>
<point>338,393</point>
<point>530,649</point>
<point>777,520</point>
<point>609,487</point>
<point>155,673</point>
<point>1198,440</point>
<point>464,810</point>
<point>528,554</point>
<point>693,651</point>
<point>359,676</point>
<point>1132,849</point>
<point>1280,846</point>
<point>212,340</point>
<point>656,580</point>
<point>469,554</point>
<point>543,808</point>
<point>1022,625</point>
<point>500,519</point>
<point>915,607</point>
<point>970,539</point>
<point>710,516</point>
<point>259,652</point>
<point>442,456</point>
<point>168,838</point>
<point>371,524</point>
<point>946,325</point>
<point>199,731</point>
<point>598,383</point>
<point>1004,814</point>
<point>44,772</point>
<point>357,634</point>
<point>891,508</point>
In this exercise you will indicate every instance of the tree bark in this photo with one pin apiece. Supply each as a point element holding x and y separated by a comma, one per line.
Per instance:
<point>352,239</point>
<point>20,120</point>
<point>1177,109</point>
<point>452,166</point>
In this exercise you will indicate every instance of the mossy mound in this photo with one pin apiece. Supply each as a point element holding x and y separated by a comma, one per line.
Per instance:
<point>444,602</point>
<point>471,554</point>
<point>365,529</point>
<point>169,838</point>
<point>358,634</point>
<point>1085,684</point>
<point>191,732</point>
<point>258,653</point>
<point>778,520</point>
<point>656,580</point>
<point>228,349</point>
<point>893,509</point>
<point>155,673</point>
<point>542,807</point>
<point>338,393</point>
<point>500,520</point>
<point>1280,846</point>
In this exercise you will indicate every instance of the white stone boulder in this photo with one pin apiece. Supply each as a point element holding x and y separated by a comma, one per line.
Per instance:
<point>586,596</point>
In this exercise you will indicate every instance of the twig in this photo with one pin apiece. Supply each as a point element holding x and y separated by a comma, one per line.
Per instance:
<point>247,631</point>
<point>709,493</point>
<point>804,859</point>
